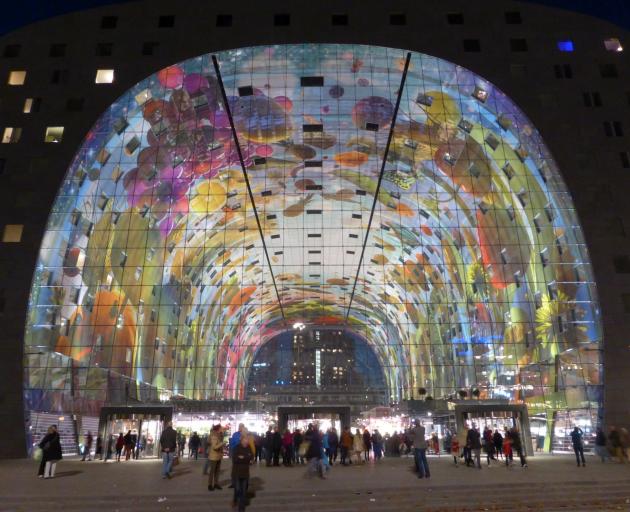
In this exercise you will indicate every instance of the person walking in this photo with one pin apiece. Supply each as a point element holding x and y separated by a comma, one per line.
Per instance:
<point>298,438</point>
<point>87,449</point>
<point>276,446</point>
<point>473,440</point>
<point>346,446</point>
<point>241,459</point>
<point>417,437</point>
<point>287,448</point>
<point>51,453</point>
<point>497,440</point>
<point>120,443</point>
<point>193,444</point>
<point>601,449</point>
<point>99,448</point>
<point>314,451</point>
<point>578,445</point>
<point>128,440</point>
<point>269,446</point>
<point>367,444</point>
<point>333,446</point>
<point>168,444</point>
<point>357,446</point>
<point>377,444</point>
<point>517,445</point>
<point>215,455</point>
<point>488,444</point>
<point>455,448</point>
<point>110,447</point>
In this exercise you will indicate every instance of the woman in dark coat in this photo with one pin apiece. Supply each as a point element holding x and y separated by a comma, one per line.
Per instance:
<point>51,453</point>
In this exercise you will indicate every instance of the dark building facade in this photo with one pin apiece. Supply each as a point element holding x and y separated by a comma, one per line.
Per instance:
<point>531,305</point>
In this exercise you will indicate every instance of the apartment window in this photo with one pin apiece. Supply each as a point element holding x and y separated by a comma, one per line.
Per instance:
<point>622,264</point>
<point>455,18</point>
<point>613,128</point>
<point>563,71</point>
<point>472,45</point>
<point>224,20</point>
<point>75,104</point>
<point>166,21</point>
<point>12,233</point>
<point>624,156</point>
<point>32,105</point>
<point>59,76</point>
<point>513,18</point>
<point>592,99</point>
<point>109,22</point>
<point>17,78</point>
<point>282,20</point>
<point>104,49</point>
<point>12,50</point>
<point>3,165</point>
<point>149,47</point>
<point>397,19</point>
<point>339,19</point>
<point>104,76</point>
<point>54,134</point>
<point>518,70</point>
<point>625,298</point>
<point>613,45</point>
<point>57,50</point>
<point>608,70</point>
<point>11,135</point>
<point>566,45</point>
<point>518,45</point>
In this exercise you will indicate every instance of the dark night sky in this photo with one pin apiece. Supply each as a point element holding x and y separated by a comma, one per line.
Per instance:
<point>18,13</point>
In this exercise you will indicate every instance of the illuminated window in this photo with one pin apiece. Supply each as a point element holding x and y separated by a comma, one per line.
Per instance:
<point>104,76</point>
<point>17,78</point>
<point>54,134</point>
<point>11,135</point>
<point>613,45</point>
<point>32,105</point>
<point>566,45</point>
<point>12,233</point>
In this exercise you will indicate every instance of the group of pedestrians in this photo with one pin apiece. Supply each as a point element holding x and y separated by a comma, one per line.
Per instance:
<point>495,445</point>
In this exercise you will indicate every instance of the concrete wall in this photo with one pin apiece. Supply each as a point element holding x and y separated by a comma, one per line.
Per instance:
<point>574,133</point>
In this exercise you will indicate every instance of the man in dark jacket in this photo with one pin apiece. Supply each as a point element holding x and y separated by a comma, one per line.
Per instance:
<point>517,446</point>
<point>277,446</point>
<point>578,445</point>
<point>168,443</point>
<point>241,459</point>
<point>51,453</point>
<point>333,445</point>
<point>268,446</point>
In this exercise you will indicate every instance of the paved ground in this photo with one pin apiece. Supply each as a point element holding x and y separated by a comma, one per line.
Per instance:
<point>551,483</point>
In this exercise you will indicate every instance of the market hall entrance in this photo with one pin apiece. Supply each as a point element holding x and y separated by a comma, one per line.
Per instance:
<point>337,415</point>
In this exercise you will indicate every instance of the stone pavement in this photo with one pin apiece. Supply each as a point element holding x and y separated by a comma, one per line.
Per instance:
<point>551,483</point>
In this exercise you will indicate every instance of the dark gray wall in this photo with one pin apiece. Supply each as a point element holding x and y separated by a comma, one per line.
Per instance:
<point>589,160</point>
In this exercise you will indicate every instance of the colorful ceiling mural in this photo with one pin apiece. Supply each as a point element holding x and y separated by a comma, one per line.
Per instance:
<point>153,272</point>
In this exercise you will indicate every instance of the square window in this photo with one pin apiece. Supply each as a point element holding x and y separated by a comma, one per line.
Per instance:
<point>12,50</point>
<point>149,47</point>
<point>224,20</point>
<point>104,49</point>
<point>11,135</point>
<point>613,45</point>
<point>565,45</point>
<point>104,76</point>
<point>397,19</point>
<point>12,233</point>
<point>472,45</point>
<point>518,45</point>
<point>109,22</point>
<point>166,21</point>
<point>513,18</point>
<point>282,20</point>
<point>339,20</point>
<point>455,18</point>
<point>608,70</point>
<point>32,105</point>
<point>57,50</point>
<point>17,78</point>
<point>54,134</point>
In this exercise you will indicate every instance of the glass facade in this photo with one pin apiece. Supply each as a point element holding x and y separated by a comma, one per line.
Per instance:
<point>153,281</point>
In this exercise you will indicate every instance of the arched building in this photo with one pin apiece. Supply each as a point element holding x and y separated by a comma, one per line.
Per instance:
<point>367,172</point>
